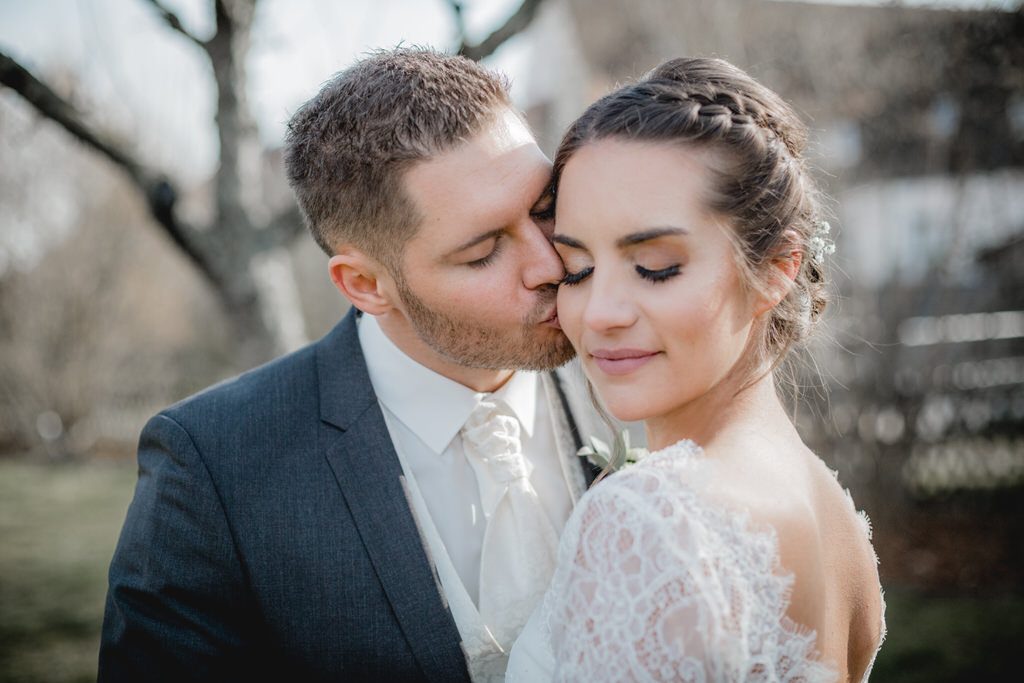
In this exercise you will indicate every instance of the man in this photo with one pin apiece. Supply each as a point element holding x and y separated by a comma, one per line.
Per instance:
<point>383,505</point>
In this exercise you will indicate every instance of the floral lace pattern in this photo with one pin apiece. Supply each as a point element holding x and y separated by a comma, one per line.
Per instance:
<point>655,584</point>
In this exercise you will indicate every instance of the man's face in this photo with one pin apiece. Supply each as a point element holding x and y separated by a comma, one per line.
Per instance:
<point>478,280</point>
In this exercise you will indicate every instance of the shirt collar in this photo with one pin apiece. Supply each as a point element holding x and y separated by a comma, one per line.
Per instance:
<point>429,404</point>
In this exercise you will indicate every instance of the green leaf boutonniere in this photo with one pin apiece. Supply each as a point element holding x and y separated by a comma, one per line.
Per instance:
<point>614,457</point>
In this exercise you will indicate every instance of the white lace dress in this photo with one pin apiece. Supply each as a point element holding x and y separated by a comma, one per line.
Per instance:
<point>655,584</point>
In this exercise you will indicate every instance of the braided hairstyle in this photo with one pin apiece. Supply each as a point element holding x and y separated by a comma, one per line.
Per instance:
<point>761,182</point>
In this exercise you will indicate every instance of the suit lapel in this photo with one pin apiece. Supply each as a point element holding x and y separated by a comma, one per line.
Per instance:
<point>363,459</point>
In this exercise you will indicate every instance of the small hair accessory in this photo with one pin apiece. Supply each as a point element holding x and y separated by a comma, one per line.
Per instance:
<point>820,244</point>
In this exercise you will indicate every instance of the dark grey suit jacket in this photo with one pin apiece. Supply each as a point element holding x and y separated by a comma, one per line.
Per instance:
<point>270,538</point>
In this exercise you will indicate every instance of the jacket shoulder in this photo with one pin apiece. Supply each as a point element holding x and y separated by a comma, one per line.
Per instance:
<point>283,379</point>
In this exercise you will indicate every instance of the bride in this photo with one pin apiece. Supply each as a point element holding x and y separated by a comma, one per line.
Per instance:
<point>694,245</point>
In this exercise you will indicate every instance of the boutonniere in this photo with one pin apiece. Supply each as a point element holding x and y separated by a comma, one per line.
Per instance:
<point>614,457</point>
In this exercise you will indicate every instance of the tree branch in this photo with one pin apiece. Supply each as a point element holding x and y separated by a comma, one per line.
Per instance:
<point>517,23</point>
<point>54,107</point>
<point>460,22</point>
<point>279,231</point>
<point>159,193</point>
<point>238,174</point>
<point>174,22</point>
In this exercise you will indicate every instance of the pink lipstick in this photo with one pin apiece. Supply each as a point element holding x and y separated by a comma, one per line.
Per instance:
<point>621,361</point>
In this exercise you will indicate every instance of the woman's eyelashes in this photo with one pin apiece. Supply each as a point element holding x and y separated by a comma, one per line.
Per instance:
<point>577,277</point>
<point>659,275</point>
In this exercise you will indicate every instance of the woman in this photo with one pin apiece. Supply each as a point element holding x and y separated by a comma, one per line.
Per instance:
<point>693,246</point>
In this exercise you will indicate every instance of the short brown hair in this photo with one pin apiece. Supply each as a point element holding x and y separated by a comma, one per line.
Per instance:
<point>347,148</point>
<point>762,184</point>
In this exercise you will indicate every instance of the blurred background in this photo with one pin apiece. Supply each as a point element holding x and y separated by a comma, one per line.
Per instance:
<point>149,247</point>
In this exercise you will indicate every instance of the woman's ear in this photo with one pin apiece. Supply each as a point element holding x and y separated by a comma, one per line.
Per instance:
<point>361,279</point>
<point>783,270</point>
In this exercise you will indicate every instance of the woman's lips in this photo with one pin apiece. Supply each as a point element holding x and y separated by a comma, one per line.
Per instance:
<point>621,361</point>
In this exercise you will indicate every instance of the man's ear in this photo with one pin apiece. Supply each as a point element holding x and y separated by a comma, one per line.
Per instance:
<point>361,279</point>
<point>783,269</point>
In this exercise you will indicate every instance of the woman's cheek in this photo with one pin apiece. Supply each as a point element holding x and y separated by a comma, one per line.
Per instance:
<point>672,304</point>
<point>569,313</point>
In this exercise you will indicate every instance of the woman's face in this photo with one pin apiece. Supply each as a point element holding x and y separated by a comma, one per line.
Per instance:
<point>652,299</point>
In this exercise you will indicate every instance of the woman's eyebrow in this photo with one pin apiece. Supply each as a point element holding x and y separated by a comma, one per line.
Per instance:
<point>567,241</point>
<point>627,241</point>
<point>645,235</point>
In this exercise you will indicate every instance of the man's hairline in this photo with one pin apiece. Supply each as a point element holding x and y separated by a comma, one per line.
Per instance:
<point>393,262</point>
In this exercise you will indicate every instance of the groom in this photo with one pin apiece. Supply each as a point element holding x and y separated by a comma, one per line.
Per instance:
<point>384,504</point>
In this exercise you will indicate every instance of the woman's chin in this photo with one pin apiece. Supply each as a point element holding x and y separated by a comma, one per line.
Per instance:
<point>627,407</point>
<point>629,395</point>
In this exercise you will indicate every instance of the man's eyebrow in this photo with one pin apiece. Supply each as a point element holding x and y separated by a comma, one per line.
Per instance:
<point>567,241</point>
<point>473,241</point>
<point>645,235</point>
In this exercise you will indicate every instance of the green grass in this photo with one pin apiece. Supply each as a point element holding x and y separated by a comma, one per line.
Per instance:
<point>942,639</point>
<point>58,525</point>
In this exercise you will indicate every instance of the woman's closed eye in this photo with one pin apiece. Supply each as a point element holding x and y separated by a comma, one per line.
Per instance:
<point>659,275</point>
<point>577,277</point>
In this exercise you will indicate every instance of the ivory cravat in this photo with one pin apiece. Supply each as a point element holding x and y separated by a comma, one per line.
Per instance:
<point>520,543</point>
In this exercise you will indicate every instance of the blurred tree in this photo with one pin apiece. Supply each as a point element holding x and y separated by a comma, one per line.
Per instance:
<point>242,251</point>
<point>101,323</point>
<point>518,22</point>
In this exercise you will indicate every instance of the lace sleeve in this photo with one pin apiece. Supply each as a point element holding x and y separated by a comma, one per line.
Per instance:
<point>653,583</point>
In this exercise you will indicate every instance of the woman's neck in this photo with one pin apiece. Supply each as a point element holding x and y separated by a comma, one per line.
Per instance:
<point>726,407</point>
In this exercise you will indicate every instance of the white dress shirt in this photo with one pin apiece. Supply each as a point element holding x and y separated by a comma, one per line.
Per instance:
<point>425,411</point>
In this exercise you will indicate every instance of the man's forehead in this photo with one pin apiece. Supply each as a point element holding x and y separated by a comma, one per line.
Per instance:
<point>504,153</point>
<point>507,131</point>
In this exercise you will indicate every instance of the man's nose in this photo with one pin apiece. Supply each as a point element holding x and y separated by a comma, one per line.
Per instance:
<point>543,266</point>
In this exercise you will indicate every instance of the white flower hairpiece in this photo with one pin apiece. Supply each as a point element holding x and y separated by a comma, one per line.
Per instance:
<point>820,244</point>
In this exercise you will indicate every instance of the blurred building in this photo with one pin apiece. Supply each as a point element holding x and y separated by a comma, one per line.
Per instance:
<point>917,122</point>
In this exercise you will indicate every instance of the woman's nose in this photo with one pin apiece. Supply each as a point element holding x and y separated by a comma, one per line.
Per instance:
<point>609,305</point>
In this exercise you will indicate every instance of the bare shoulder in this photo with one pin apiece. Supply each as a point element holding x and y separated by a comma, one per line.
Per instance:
<point>852,591</point>
<point>823,542</point>
<point>776,491</point>
<point>786,487</point>
<point>852,563</point>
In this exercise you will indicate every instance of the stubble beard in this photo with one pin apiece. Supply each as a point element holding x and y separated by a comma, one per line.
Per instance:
<point>470,344</point>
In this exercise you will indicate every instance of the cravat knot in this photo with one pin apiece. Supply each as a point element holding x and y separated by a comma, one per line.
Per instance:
<point>492,433</point>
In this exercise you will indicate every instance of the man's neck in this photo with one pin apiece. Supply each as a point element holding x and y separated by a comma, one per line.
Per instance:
<point>408,342</point>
